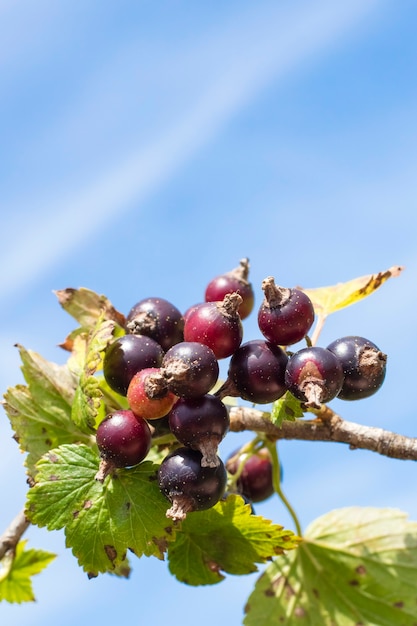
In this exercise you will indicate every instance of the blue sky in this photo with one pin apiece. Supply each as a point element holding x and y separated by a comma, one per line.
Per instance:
<point>147,147</point>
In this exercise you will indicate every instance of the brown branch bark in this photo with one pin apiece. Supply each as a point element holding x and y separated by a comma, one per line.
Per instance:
<point>327,426</point>
<point>13,533</point>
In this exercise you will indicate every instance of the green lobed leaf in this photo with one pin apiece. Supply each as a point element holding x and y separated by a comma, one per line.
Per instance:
<point>101,520</point>
<point>226,538</point>
<point>40,412</point>
<point>48,382</point>
<point>88,404</point>
<point>88,408</point>
<point>356,566</point>
<point>287,408</point>
<point>17,570</point>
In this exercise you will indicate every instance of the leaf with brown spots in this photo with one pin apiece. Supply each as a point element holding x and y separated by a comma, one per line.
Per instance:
<point>102,521</point>
<point>355,566</point>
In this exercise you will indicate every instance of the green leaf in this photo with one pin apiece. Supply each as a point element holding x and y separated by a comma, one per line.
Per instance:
<point>356,566</point>
<point>101,520</point>
<point>88,405</point>
<point>40,413</point>
<point>16,571</point>
<point>287,409</point>
<point>226,538</point>
<point>327,300</point>
<point>48,382</point>
<point>87,408</point>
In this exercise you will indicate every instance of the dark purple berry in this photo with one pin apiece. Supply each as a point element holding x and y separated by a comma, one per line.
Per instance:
<point>188,485</point>
<point>216,324</point>
<point>314,375</point>
<point>190,369</point>
<point>200,423</point>
<point>256,372</point>
<point>364,366</point>
<point>126,356</point>
<point>286,315</point>
<point>156,318</point>
<point>234,281</point>
<point>123,439</point>
<point>255,480</point>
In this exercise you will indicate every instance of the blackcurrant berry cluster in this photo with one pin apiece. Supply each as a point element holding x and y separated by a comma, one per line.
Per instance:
<point>166,364</point>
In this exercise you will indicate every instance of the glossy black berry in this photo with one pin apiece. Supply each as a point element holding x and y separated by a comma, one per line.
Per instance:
<point>190,369</point>
<point>234,281</point>
<point>285,315</point>
<point>200,423</point>
<point>188,485</point>
<point>156,318</point>
<point>255,482</point>
<point>314,375</point>
<point>256,372</point>
<point>123,438</point>
<point>216,324</point>
<point>364,366</point>
<point>127,355</point>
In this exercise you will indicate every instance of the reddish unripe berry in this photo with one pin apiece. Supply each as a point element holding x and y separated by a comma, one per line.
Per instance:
<point>234,281</point>
<point>142,398</point>
<point>255,480</point>
<point>123,438</point>
<point>286,315</point>
<point>156,318</point>
<point>216,324</point>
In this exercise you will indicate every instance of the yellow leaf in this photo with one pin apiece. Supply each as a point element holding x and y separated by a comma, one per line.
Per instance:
<point>327,300</point>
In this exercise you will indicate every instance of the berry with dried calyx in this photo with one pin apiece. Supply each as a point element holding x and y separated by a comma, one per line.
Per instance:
<point>234,281</point>
<point>156,318</point>
<point>189,486</point>
<point>189,369</point>
<point>200,423</point>
<point>285,315</point>
<point>216,324</point>
<point>314,375</point>
<point>144,400</point>
<point>364,366</point>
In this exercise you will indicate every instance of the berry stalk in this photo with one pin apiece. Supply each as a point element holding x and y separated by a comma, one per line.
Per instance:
<point>276,479</point>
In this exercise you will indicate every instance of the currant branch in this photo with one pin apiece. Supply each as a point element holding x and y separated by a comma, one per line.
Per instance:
<point>13,533</point>
<point>327,426</point>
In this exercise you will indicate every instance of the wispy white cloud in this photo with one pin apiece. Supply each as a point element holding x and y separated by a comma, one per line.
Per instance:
<point>256,50</point>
